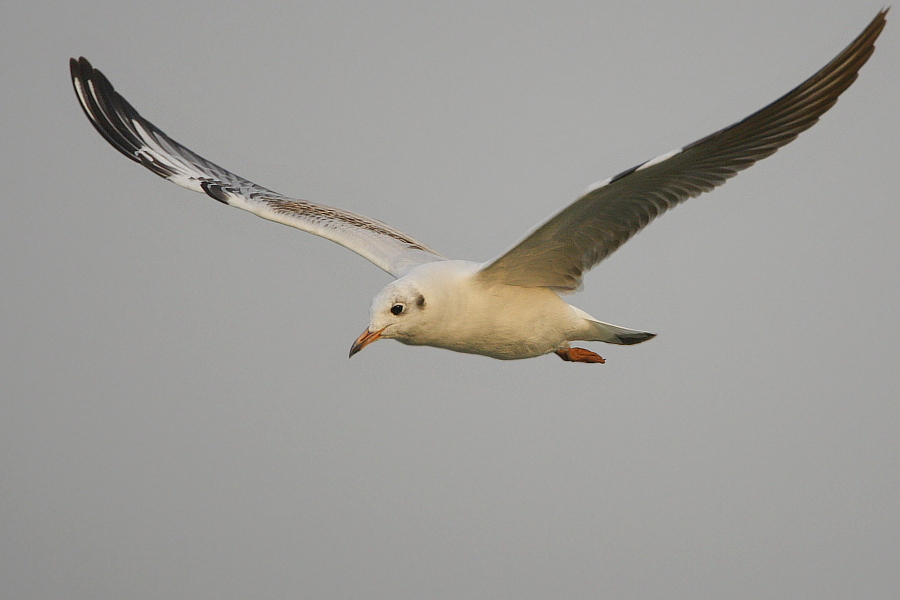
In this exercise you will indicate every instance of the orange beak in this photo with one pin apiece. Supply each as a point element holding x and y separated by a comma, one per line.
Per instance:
<point>365,339</point>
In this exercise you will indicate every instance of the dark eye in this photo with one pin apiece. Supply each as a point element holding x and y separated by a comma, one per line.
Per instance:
<point>397,309</point>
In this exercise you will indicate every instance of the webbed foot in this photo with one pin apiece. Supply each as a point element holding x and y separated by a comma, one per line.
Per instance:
<point>579,355</point>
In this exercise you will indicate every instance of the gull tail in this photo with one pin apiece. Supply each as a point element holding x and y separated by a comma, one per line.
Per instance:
<point>612,334</point>
<point>598,331</point>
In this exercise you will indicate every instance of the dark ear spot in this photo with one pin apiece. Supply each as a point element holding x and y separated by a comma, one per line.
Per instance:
<point>420,301</point>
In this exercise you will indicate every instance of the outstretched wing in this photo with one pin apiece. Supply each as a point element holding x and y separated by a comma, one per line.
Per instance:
<point>141,141</point>
<point>558,252</point>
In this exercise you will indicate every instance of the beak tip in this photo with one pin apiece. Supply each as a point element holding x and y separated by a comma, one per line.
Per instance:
<point>364,340</point>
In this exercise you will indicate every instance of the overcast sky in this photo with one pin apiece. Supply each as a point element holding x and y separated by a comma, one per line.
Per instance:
<point>178,415</point>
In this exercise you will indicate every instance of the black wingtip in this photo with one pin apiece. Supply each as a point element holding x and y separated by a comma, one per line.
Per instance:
<point>101,104</point>
<point>111,115</point>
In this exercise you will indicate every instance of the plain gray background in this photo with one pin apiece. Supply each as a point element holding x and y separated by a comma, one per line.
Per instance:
<point>179,418</point>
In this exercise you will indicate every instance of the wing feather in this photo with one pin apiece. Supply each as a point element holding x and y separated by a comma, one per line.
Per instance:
<point>141,141</point>
<point>557,253</point>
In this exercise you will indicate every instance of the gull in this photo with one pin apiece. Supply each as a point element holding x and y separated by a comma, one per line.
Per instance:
<point>509,307</point>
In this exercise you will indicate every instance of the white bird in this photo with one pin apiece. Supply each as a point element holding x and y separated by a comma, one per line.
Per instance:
<point>509,307</point>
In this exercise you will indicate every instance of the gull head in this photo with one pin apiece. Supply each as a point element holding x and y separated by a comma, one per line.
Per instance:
<point>398,312</point>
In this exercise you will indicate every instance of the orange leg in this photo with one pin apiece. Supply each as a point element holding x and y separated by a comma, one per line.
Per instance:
<point>579,355</point>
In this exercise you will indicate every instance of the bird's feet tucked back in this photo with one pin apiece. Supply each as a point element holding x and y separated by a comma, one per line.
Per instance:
<point>579,355</point>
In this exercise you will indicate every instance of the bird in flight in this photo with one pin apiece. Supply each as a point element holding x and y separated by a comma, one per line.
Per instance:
<point>509,307</point>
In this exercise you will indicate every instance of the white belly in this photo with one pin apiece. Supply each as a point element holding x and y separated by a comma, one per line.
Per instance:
<point>506,322</point>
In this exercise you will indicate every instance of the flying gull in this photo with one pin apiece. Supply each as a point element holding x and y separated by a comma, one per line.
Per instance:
<point>509,307</point>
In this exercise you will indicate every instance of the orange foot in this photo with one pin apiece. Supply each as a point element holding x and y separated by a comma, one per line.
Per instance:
<point>579,355</point>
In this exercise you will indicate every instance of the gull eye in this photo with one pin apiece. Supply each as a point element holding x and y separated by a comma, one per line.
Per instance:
<point>397,309</point>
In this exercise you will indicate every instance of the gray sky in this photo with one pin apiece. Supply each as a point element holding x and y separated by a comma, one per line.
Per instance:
<point>179,418</point>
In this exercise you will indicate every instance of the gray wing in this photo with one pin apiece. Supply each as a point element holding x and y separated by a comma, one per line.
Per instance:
<point>141,141</point>
<point>558,252</point>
